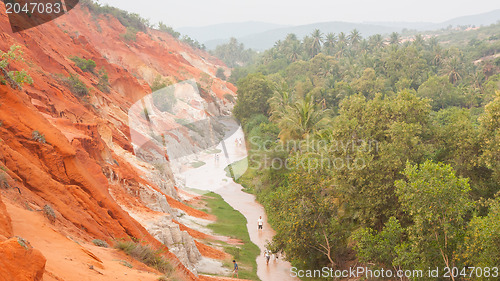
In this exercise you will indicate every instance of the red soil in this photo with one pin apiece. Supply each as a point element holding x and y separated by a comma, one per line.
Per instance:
<point>66,172</point>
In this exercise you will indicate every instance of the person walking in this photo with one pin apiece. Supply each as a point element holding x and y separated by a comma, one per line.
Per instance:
<point>235,270</point>
<point>260,222</point>
<point>268,256</point>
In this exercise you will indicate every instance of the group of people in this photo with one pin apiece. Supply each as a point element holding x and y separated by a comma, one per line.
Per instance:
<point>267,252</point>
<point>238,142</point>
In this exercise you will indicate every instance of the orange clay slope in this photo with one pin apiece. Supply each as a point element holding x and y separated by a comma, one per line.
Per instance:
<point>85,173</point>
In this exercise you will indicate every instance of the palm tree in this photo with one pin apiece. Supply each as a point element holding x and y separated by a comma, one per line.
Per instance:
<point>364,46</point>
<point>317,40</point>
<point>433,43</point>
<point>329,44</point>
<point>291,37</point>
<point>395,38</point>
<point>376,41</point>
<point>419,40</point>
<point>438,56</point>
<point>342,38</point>
<point>294,51</point>
<point>281,99</point>
<point>453,68</point>
<point>354,37</point>
<point>301,119</point>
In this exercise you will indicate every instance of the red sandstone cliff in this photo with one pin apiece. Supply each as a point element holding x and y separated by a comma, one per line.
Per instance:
<point>86,170</point>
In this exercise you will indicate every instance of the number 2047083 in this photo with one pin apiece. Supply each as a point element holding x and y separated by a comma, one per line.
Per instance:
<point>471,272</point>
<point>33,8</point>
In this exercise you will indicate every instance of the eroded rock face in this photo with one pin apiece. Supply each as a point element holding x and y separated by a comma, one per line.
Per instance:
<point>5,222</point>
<point>20,262</point>
<point>179,242</point>
<point>84,137</point>
<point>165,183</point>
<point>155,200</point>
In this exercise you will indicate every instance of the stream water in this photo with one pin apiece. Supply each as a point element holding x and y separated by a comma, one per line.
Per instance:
<point>213,177</point>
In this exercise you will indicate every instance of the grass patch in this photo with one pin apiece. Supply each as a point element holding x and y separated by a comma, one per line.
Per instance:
<point>85,65</point>
<point>233,224</point>
<point>246,174</point>
<point>37,136</point>
<point>126,263</point>
<point>146,255</point>
<point>49,213</point>
<point>100,243</point>
<point>197,164</point>
<point>76,85</point>
<point>213,151</point>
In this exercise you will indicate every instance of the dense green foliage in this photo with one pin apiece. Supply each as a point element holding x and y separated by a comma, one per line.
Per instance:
<point>233,224</point>
<point>233,53</point>
<point>134,23</point>
<point>103,84</point>
<point>159,83</point>
<point>253,93</point>
<point>130,35</point>
<point>129,20</point>
<point>193,43</point>
<point>332,121</point>
<point>85,65</point>
<point>220,74</point>
<point>76,85</point>
<point>15,78</point>
<point>163,27</point>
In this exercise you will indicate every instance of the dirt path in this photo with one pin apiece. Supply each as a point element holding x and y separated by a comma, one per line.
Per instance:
<point>212,177</point>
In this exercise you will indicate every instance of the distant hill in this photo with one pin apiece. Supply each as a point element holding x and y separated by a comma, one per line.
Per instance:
<point>265,40</point>
<point>480,19</point>
<point>261,36</point>
<point>225,31</point>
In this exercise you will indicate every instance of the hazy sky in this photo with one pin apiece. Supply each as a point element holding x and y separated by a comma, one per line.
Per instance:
<point>205,12</point>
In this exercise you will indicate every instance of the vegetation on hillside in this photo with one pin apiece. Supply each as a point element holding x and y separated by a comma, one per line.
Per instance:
<point>234,53</point>
<point>135,23</point>
<point>233,224</point>
<point>147,255</point>
<point>15,78</point>
<point>375,150</point>
<point>84,64</point>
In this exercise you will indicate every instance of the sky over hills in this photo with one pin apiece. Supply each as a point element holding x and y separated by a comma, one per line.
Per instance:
<point>299,12</point>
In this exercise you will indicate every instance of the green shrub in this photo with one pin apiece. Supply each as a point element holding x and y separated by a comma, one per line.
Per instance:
<point>163,27</point>
<point>233,251</point>
<point>100,243</point>
<point>76,85</point>
<point>220,74</point>
<point>13,77</point>
<point>21,77</point>
<point>126,263</point>
<point>25,244</point>
<point>103,84</point>
<point>37,136</point>
<point>229,97</point>
<point>130,35</point>
<point>164,99</point>
<point>85,65</point>
<point>146,255</point>
<point>3,180</point>
<point>49,213</point>
<point>125,18</point>
<point>160,83</point>
<point>193,43</point>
